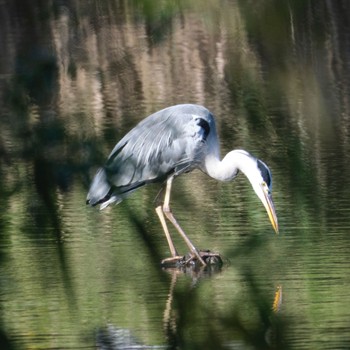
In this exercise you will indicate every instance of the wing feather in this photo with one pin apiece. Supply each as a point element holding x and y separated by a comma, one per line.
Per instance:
<point>165,142</point>
<point>171,141</point>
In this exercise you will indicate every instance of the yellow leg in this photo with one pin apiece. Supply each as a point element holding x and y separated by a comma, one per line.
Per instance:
<point>160,213</point>
<point>171,218</point>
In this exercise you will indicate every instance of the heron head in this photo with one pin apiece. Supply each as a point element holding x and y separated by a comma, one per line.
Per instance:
<point>259,175</point>
<point>262,185</point>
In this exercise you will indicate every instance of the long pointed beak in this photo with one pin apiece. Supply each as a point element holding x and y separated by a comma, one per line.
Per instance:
<point>270,208</point>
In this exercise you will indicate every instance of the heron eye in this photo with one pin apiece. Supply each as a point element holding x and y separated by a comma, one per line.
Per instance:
<point>265,187</point>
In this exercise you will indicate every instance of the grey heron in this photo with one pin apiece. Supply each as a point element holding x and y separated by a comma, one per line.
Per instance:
<point>166,144</point>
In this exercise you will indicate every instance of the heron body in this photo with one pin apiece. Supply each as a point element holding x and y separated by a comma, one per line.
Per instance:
<point>166,144</point>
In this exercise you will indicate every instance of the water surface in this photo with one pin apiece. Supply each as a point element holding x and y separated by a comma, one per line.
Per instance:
<point>75,76</point>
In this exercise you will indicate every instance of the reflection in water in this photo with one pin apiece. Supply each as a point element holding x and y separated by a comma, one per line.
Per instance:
<point>75,76</point>
<point>277,302</point>
<point>274,332</point>
<point>115,338</point>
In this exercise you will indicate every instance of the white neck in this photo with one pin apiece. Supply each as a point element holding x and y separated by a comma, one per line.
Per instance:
<point>227,168</point>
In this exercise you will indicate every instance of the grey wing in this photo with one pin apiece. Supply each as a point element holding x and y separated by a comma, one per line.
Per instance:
<point>168,142</point>
<point>164,143</point>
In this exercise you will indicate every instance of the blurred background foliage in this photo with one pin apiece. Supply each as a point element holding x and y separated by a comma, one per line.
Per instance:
<point>76,75</point>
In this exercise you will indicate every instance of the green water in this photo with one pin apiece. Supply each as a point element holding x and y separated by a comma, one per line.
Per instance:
<point>75,76</point>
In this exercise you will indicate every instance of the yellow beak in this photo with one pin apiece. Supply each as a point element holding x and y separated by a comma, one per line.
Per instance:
<point>270,208</point>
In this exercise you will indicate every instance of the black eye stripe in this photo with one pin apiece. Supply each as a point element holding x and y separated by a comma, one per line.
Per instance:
<point>205,126</point>
<point>265,172</point>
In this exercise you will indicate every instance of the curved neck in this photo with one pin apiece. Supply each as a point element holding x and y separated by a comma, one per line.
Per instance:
<point>227,168</point>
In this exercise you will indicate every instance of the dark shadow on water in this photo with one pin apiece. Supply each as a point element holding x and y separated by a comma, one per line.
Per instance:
<point>34,165</point>
<point>40,159</point>
<point>183,306</point>
<point>114,338</point>
<point>179,321</point>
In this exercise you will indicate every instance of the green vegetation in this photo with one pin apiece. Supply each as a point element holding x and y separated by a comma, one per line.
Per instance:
<point>76,75</point>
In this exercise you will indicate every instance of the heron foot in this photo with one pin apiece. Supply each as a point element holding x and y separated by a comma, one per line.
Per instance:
<point>191,259</point>
<point>174,261</point>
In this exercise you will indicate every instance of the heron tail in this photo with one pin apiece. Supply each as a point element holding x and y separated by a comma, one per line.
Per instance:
<point>100,191</point>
